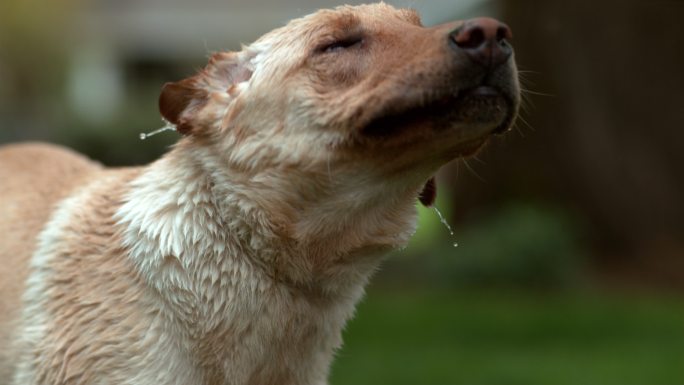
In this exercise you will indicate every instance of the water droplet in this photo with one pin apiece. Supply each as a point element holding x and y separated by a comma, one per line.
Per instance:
<point>445,223</point>
<point>443,220</point>
<point>168,126</point>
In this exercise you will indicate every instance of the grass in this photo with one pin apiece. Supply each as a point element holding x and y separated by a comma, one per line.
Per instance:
<point>441,338</point>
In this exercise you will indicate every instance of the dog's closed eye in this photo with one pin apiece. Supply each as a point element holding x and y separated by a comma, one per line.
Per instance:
<point>341,44</point>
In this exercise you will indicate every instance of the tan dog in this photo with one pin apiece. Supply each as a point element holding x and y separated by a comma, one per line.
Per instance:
<point>238,257</point>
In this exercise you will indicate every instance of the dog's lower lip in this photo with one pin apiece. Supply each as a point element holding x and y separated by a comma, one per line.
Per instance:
<point>485,91</point>
<point>441,112</point>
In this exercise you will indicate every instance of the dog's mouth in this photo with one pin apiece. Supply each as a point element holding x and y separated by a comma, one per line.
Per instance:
<point>471,115</point>
<point>477,112</point>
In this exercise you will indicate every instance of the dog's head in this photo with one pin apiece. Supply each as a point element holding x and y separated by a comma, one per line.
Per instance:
<point>363,100</point>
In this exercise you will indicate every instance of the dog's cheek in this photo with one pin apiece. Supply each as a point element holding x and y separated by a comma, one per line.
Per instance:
<point>334,74</point>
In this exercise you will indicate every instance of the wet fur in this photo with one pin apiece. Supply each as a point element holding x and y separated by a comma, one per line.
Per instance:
<point>238,257</point>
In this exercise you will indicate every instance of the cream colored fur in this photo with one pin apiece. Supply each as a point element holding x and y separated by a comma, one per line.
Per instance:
<point>238,257</point>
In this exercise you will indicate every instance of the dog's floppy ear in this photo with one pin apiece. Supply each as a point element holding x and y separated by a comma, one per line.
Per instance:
<point>179,100</point>
<point>195,103</point>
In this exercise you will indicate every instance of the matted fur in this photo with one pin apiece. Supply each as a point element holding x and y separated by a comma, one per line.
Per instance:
<point>238,257</point>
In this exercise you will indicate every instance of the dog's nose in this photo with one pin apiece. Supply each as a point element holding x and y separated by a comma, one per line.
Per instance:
<point>484,40</point>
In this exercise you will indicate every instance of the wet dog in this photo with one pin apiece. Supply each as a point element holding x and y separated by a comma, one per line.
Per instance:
<point>238,257</point>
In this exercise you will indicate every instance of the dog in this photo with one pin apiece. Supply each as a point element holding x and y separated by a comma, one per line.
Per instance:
<point>238,257</point>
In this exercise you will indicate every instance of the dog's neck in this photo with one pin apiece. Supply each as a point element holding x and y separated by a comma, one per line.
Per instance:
<point>325,236</point>
<point>217,247</point>
<point>306,228</point>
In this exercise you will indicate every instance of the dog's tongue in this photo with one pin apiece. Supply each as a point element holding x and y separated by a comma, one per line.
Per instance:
<point>429,194</point>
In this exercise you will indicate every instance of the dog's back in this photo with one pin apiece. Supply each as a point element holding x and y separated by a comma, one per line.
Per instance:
<point>33,178</point>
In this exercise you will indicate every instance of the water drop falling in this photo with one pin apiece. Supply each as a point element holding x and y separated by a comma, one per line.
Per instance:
<point>445,223</point>
<point>443,220</point>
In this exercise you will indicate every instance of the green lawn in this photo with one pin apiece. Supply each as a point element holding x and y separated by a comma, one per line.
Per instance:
<point>440,338</point>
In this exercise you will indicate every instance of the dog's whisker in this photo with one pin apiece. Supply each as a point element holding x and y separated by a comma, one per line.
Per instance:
<point>526,103</point>
<point>526,123</point>
<point>517,129</point>
<point>465,162</point>
<point>526,91</point>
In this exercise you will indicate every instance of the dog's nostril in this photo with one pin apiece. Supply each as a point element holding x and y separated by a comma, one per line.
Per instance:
<point>484,40</point>
<point>477,32</point>
<point>470,38</point>
<point>503,33</point>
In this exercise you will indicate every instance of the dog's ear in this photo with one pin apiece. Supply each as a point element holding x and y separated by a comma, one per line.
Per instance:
<point>195,103</point>
<point>179,100</point>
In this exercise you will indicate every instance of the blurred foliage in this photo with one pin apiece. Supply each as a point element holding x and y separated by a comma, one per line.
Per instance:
<point>521,245</point>
<point>27,22</point>
<point>526,245</point>
<point>33,60</point>
<point>438,337</point>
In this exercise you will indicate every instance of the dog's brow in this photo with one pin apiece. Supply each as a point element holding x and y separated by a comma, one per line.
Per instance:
<point>340,27</point>
<point>344,23</point>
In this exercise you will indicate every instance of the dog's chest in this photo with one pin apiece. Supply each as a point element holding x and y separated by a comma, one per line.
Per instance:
<point>210,266</point>
<point>243,328</point>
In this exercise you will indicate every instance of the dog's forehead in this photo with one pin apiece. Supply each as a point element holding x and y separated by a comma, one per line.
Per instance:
<point>360,14</point>
<point>286,46</point>
<point>326,21</point>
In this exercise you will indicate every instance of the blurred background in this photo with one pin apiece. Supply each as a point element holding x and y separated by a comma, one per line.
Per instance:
<point>566,263</point>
